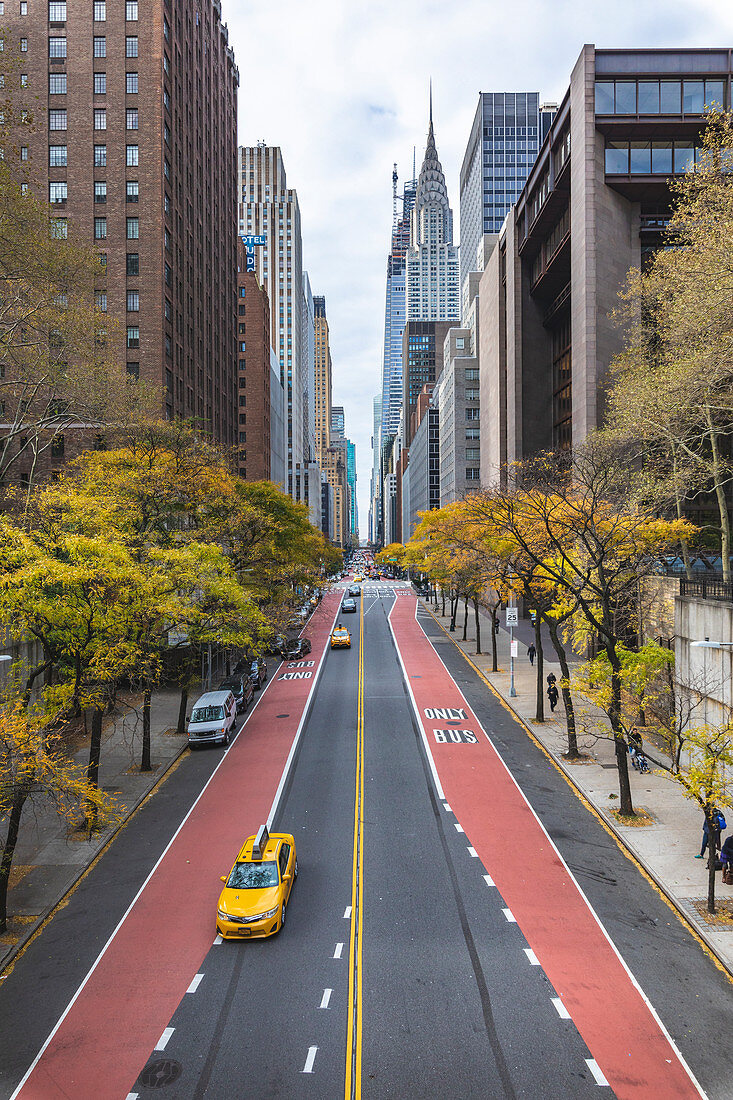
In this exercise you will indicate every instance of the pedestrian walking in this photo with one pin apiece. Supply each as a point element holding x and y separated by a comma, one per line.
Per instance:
<point>718,826</point>
<point>552,695</point>
<point>531,652</point>
<point>551,679</point>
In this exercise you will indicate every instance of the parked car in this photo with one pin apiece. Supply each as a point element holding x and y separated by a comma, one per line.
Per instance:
<point>299,647</point>
<point>257,673</point>
<point>212,718</point>
<point>241,688</point>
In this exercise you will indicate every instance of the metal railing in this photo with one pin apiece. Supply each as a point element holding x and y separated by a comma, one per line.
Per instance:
<point>707,588</point>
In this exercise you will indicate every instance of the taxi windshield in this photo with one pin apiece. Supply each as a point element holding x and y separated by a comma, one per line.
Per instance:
<point>253,876</point>
<point>207,714</point>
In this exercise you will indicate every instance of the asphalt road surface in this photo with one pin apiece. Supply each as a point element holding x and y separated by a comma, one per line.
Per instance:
<point>461,926</point>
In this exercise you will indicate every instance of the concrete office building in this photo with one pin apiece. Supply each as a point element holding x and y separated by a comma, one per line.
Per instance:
<point>351,478</point>
<point>422,491</point>
<point>121,96</point>
<point>594,205</point>
<point>457,400</point>
<point>508,129</point>
<point>322,378</point>
<point>394,313</point>
<point>432,290</point>
<point>269,215</point>
<point>375,495</point>
<point>311,469</point>
<point>422,356</point>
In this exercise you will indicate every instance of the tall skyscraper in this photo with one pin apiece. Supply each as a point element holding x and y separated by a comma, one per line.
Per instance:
<point>323,379</point>
<point>351,479</point>
<point>432,290</point>
<point>375,488</point>
<point>394,313</point>
<point>508,129</point>
<point>125,97</point>
<point>269,217</point>
<point>311,478</point>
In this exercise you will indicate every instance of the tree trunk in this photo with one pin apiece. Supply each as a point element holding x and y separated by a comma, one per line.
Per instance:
<point>11,839</point>
<point>95,751</point>
<point>478,626</point>
<point>453,612</point>
<point>540,658</point>
<point>719,482</point>
<point>181,727</point>
<point>567,698</point>
<point>442,610</point>
<point>465,616</point>
<point>494,654</point>
<point>626,806</point>
<point>713,835</point>
<point>145,765</point>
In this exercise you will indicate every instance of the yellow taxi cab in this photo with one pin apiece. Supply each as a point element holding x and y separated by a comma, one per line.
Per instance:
<point>358,578</point>
<point>257,889</point>
<point>340,638</point>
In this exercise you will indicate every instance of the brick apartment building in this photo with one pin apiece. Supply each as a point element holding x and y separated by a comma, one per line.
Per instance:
<point>254,385</point>
<point>134,144</point>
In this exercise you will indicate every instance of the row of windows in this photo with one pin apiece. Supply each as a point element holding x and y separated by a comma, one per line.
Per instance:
<point>133,301</point>
<point>644,158</point>
<point>132,229</point>
<point>57,46</point>
<point>658,97</point>
<point>57,83</point>
<point>58,190</point>
<point>57,11</point>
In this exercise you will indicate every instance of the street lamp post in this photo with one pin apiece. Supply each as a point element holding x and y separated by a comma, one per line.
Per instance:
<point>512,618</point>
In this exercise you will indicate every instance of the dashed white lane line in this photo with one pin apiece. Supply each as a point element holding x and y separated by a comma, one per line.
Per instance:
<point>338,950</point>
<point>447,808</point>
<point>217,941</point>
<point>596,1071</point>
<point>310,1059</point>
<point>531,956</point>
<point>325,998</point>
<point>473,852</point>
<point>131,1096</point>
<point>163,1041</point>
<point>195,983</point>
<point>561,1009</point>
<point>459,828</point>
<point>347,912</point>
<point>509,916</point>
<point>489,880</point>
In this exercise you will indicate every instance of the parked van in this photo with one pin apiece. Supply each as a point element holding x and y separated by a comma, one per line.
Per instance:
<point>212,718</point>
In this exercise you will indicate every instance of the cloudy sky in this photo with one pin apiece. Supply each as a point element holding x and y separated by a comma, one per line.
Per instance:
<point>342,87</point>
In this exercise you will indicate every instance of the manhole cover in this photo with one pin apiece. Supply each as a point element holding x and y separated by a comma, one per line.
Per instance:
<point>282,715</point>
<point>158,1074</point>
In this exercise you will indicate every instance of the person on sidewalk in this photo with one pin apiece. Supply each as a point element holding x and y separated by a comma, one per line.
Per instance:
<point>717,829</point>
<point>636,744</point>
<point>726,858</point>
<point>552,695</point>
<point>551,679</point>
<point>531,652</point>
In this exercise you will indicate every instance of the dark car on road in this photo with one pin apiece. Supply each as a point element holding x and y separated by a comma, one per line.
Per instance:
<point>299,647</point>
<point>355,590</point>
<point>241,688</point>
<point>348,605</point>
<point>258,672</point>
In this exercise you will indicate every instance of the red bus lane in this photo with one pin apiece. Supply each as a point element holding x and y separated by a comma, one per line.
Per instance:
<point>626,1040</point>
<point>120,1012</point>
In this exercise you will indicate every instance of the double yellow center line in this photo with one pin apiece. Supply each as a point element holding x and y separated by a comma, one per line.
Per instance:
<point>352,1089</point>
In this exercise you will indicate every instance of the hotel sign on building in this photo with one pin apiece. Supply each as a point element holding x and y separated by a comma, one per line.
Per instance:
<point>250,243</point>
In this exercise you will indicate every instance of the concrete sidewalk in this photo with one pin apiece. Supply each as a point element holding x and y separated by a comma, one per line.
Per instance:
<point>50,856</point>
<point>666,847</point>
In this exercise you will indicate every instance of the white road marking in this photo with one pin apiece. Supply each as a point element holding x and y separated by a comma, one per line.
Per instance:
<point>308,1067</point>
<point>459,828</point>
<point>447,808</point>
<point>489,880</point>
<point>163,1041</point>
<point>337,952</point>
<point>325,998</point>
<point>473,852</point>
<point>596,1071</point>
<point>131,1096</point>
<point>195,983</point>
<point>509,916</point>
<point>531,956</point>
<point>561,1009</point>
<point>347,912</point>
<point>217,941</point>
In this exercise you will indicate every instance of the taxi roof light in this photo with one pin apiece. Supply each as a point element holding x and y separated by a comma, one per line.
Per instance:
<point>260,843</point>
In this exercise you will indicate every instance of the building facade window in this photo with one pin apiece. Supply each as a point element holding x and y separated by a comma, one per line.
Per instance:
<point>133,336</point>
<point>133,369</point>
<point>100,46</point>
<point>100,191</point>
<point>100,229</point>
<point>133,263</point>
<point>57,83</point>
<point>100,118</point>
<point>131,11</point>
<point>57,156</point>
<point>57,120</point>
<point>57,192</point>
<point>132,190</point>
<point>131,45</point>
<point>133,301</point>
<point>100,11</point>
<point>56,11</point>
<point>24,45</point>
<point>57,46</point>
<point>101,300</point>
<point>133,154</point>
<point>100,156</point>
<point>131,84</point>
<point>100,83</point>
<point>131,118</point>
<point>24,80</point>
<point>59,228</point>
<point>133,229</point>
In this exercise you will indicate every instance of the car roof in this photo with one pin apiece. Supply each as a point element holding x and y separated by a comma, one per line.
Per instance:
<point>271,849</point>
<point>212,698</point>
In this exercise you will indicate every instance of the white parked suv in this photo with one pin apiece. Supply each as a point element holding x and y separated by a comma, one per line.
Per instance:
<point>212,718</point>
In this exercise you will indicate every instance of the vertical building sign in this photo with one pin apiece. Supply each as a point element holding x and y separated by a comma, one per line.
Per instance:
<point>250,243</point>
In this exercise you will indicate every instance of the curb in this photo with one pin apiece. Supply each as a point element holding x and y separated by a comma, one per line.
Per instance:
<point>13,951</point>
<point>698,929</point>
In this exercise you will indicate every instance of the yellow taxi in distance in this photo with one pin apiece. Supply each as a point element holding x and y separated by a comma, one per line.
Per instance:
<point>340,638</point>
<point>358,578</point>
<point>257,889</point>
